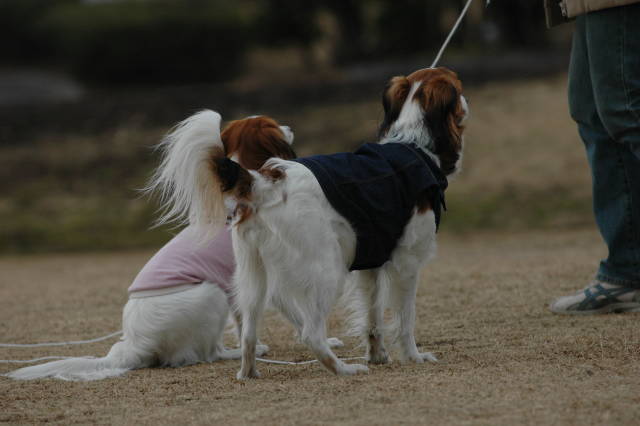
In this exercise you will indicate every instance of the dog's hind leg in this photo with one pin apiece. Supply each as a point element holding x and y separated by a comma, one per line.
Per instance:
<point>292,313</point>
<point>251,313</point>
<point>251,285</point>
<point>316,339</point>
<point>314,307</point>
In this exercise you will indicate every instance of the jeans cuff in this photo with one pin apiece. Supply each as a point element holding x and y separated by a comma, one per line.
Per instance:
<point>617,281</point>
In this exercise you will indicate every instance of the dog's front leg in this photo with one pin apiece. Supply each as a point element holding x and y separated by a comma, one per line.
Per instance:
<point>403,299</point>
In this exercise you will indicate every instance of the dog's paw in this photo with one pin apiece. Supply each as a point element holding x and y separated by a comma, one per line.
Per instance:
<point>380,357</point>
<point>428,356</point>
<point>353,369</point>
<point>261,349</point>
<point>420,357</point>
<point>334,342</point>
<point>251,374</point>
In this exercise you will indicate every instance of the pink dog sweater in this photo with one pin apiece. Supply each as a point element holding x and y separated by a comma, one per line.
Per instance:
<point>185,261</point>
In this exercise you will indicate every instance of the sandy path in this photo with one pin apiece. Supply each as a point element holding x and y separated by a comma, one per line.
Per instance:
<point>482,310</point>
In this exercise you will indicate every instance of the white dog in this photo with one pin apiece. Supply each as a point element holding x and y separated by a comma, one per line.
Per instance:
<point>179,302</point>
<point>300,226</point>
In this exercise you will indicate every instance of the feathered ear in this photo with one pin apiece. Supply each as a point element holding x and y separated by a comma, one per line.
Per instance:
<point>254,140</point>
<point>273,143</point>
<point>393,98</point>
<point>440,100</point>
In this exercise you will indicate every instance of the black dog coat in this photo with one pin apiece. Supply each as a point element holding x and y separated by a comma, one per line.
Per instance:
<point>376,189</point>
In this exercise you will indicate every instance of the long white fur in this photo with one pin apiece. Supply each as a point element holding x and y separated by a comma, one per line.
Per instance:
<point>184,179</point>
<point>272,246</point>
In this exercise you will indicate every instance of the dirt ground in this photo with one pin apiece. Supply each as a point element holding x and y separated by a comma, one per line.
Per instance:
<point>504,359</point>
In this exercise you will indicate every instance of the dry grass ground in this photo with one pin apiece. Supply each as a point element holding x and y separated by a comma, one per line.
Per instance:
<point>481,308</point>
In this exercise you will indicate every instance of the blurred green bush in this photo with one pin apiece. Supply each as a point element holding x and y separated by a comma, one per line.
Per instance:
<point>149,42</point>
<point>130,42</point>
<point>184,41</point>
<point>22,36</point>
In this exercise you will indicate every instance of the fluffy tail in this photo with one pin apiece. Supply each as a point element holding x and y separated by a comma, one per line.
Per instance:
<point>190,191</point>
<point>76,369</point>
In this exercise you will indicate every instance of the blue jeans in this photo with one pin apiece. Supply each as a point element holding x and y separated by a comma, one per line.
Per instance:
<point>604,99</point>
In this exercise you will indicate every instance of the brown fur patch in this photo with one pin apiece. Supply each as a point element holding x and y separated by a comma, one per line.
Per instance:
<point>423,204</point>
<point>393,97</point>
<point>243,187</point>
<point>274,174</point>
<point>439,95</point>
<point>330,363</point>
<point>254,140</point>
<point>242,213</point>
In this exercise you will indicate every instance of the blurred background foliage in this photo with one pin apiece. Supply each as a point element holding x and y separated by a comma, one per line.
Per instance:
<point>183,41</point>
<point>88,87</point>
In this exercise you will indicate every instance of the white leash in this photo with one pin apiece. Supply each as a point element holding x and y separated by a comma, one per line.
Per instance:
<point>311,361</point>
<point>44,358</point>
<point>108,336</point>
<point>452,32</point>
<point>49,358</point>
<point>73,342</point>
<point>265,360</point>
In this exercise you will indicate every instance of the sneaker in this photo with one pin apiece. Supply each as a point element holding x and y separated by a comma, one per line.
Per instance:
<point>598,298</point>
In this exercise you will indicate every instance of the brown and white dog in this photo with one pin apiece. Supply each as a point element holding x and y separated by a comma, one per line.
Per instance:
<point>179,303</point>
<point>295,244</point>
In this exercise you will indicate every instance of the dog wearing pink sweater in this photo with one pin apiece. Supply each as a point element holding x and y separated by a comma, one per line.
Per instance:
<point>180,301</point>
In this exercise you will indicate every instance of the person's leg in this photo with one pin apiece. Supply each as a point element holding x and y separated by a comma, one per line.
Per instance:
<point>604,96</point>
<point>613,38</point>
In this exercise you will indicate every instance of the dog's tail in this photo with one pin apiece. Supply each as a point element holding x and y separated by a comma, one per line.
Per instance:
<point>119,360</point>
<point>189,190</point>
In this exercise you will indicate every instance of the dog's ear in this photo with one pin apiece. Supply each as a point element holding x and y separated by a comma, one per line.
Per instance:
<point>232,177</point>
<point>440,100</point>
<point>393,98</point>
<point>254,140</point>
<point>272,142</point>
<point>228,172</point>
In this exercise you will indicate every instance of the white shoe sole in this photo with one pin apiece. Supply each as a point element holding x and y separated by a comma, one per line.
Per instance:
<point>617,308</point>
